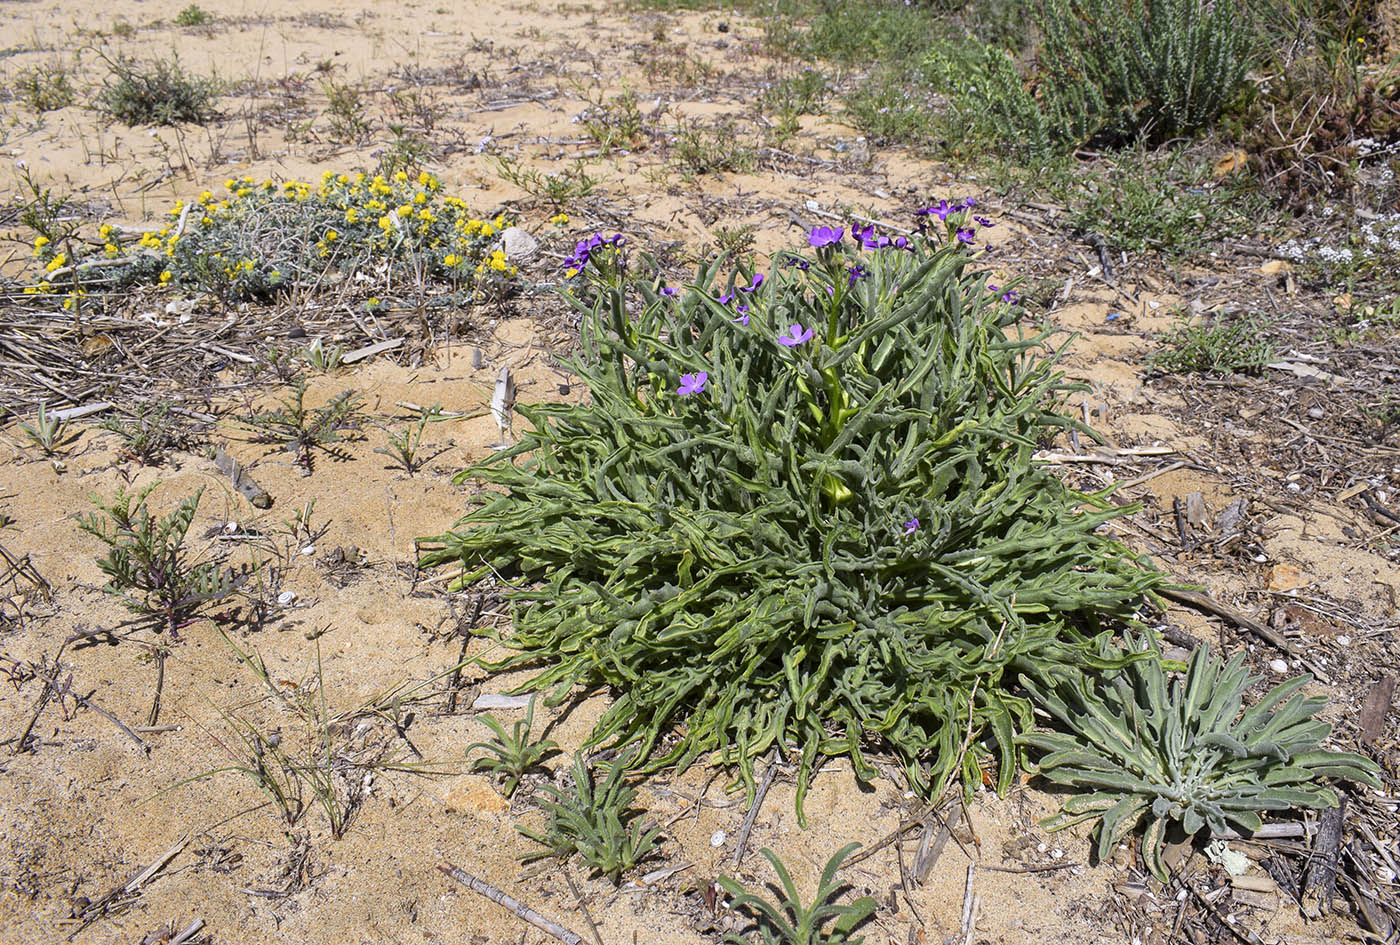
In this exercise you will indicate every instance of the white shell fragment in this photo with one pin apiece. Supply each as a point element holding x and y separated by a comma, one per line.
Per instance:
<point>286,597</point>
<point>518,244</point>
<point>717,838</point>
<point>1278,666</point>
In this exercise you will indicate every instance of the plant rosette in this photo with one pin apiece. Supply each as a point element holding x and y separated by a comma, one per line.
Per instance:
<point>799,512</point>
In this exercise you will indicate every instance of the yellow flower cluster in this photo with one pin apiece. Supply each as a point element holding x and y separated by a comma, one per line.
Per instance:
<point>238,242</point>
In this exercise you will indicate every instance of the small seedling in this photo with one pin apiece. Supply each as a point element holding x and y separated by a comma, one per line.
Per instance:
<point>560,188</point>
<point>194,15</point>
<point>702,150</point>
<point>514,752</point>
<point>146,563</point>
<point>595,821</point>
<point>404,443</point>
<point>322,359</point>
<point>302,429</point>
<point>345,109</point>
<point>151,432</point>
<point>48,432</point>
<point>300,526</point>
<point>791,923</point>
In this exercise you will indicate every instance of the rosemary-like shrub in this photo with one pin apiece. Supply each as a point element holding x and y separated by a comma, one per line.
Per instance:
<point>801,513</point>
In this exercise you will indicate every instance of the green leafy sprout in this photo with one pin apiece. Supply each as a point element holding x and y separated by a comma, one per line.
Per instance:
<point>791,923</point>
<point>596,821</point>
<point>1183,754</point>
<point>810,523</point>
<point>48,432</point>
<point>302,429</point>
<point>511,754</point>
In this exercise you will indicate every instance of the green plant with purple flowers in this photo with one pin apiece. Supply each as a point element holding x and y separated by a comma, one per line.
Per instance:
<point>799,513</point>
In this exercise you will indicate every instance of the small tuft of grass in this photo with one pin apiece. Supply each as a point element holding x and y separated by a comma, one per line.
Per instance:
<point>152,431</point>
<point>48,432</point>
<point>617,123</point>
<point>158,92</point>
<point>559,188</point>
<point>45,88</point>
<point>701,149</point>
<point>194,16</point>
<point>1215,347</point>
<point>302,429</point>
<point>345,112</point>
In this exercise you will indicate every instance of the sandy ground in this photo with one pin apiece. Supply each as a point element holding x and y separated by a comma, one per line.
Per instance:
<point>88,807</point>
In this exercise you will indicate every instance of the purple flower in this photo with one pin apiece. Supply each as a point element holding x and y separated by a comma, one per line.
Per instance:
<point>726,299</point>
<point>757,281</point>
<point>692,383</point>
<point>965,236</point>
<point>822,236</point>
<point>857,272</point>
<point>743,318</point>
<point>911,526</point>
<point>941,210</point>
<point>1010,296</point>
<point>901,243</point>
<point>991,287</point>
<point>802,264</point>
<point>969,203</point>
<point>795,336</point>
<point>984,222</point>
<point>670,292</point>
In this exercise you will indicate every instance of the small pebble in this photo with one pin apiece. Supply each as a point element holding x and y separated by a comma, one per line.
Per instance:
<point>1344,640</point>
<point>1042,848</point>
<point>231,528</point>
<point>1317,413</point>
<point>1260,559</point>
<point>309,550</point>
<point>1278,666</point>
<point>286,597</point>
<point>1294,487</point>
<point>717,838</point>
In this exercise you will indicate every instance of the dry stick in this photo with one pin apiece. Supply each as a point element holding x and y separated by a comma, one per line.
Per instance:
<point>1212,606</point>
<point>190,932</point>
<point>924,862</point>
<point>99,907</point>
<point>502,899</point>
<point>743,840</point>
<point>160,687</point>
<point>39,706</point>
<point>582,906</point>
<point>456,678</point>
<point>100,711</point>
<point>969,906</point>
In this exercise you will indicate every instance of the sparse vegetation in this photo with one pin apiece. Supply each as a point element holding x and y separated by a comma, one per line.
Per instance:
<point>147,564</point>
<point>302,429</point>
<point>46,87</point>
<point>788,921</point>
<point>511,755</point>
<point>595,821</point>
<point>1219,346</point>
<point>49,433</point>
<point>157,92</point>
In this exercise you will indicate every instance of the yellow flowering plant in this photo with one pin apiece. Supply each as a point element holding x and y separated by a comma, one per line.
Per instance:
<point>256,239</point>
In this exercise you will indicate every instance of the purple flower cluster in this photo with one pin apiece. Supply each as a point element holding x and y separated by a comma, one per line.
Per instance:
<point>1010,295</point>
<point>868,239</point>
<point>943,209</point>
<point>584,249</point>
<point>856,273</point>
<point>824,236</point>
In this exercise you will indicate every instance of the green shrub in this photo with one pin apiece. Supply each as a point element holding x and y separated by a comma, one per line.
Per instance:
<point>1151,68</point>
<point>1185,757</point>
<point>802,514</point>
<point>158,92</point>
<point>789,922</point>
